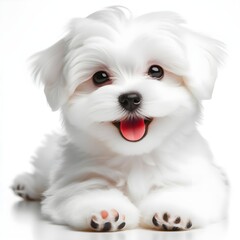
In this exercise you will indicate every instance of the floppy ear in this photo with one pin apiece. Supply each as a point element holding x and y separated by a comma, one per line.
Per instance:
<point>204,57</point>
<point>48,68</point>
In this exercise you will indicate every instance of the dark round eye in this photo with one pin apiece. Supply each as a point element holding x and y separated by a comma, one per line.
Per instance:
<point>156,71</point>
<point>100,78</point>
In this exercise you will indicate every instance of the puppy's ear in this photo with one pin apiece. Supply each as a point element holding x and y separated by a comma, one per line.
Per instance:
<point>204,57</point>
<point>48,69</point>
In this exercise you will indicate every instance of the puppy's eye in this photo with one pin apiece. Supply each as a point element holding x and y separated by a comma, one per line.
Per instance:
<point>100,78</point>
<point>156,71</point>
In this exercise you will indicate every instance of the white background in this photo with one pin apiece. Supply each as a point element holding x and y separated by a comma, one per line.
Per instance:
<point>29,26</point>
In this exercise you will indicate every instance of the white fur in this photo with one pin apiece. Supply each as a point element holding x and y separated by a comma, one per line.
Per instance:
<point>90,167</point>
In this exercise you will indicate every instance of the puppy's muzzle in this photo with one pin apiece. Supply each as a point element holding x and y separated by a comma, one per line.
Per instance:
<point>130,101</point>
<point>135,127</point>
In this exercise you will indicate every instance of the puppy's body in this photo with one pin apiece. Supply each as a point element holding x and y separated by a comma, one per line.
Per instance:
<point>130,153</point>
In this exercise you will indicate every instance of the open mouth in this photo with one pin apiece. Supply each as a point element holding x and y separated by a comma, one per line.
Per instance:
<point>134,129</point>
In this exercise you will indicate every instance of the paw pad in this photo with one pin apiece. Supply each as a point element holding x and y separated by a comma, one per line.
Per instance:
<point>106,221</point>
<point>166,222</point>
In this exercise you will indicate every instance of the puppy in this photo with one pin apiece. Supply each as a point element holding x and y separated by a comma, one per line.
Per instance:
<point>129,91</point>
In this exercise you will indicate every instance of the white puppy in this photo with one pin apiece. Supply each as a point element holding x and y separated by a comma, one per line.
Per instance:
<point>129,91</point>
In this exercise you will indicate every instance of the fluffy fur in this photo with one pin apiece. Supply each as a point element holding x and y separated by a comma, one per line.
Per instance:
<point>90,177</point>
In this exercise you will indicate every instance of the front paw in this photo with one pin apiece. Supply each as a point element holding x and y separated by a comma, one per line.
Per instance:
<point>169,222</point>
<point>106,221</point>
<point>96,210</point>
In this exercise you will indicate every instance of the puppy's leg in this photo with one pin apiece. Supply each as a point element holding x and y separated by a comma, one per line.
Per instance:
<point>91,210</point>
<point>30,186</point>
<point>183,208</point>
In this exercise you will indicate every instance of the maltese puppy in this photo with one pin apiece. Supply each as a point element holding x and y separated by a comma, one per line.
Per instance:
<point>130,92</point>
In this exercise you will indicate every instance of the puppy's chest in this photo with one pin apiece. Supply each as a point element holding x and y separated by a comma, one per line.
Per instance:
<point>140,179</point>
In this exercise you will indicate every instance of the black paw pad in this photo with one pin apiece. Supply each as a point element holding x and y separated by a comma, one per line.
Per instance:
<point>177,220</point>
<point>94,225</point>
<point>164,227</point>
<point>189,225</point>
<point>107,227</point>
<point>155,221</point>
<point>165,217</point>
<point>176,229</point>
<point>121,226</point>
<point>117,217</point>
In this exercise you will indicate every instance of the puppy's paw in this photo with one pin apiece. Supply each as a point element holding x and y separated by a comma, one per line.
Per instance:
<point>168,222</point>
<point>95,210</point>
<point>106,221</point>
<point>25,186</point>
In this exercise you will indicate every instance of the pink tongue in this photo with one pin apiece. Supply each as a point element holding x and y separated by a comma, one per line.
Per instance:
<point>133,130</point>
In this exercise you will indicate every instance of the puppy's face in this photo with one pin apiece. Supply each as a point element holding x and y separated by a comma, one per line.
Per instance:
<point>128,101</point>
<point>128,83</point>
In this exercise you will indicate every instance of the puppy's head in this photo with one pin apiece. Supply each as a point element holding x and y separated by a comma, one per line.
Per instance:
<point>128,83</point>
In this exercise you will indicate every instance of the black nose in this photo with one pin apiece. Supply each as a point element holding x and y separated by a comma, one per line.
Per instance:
<point>130,101</point>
